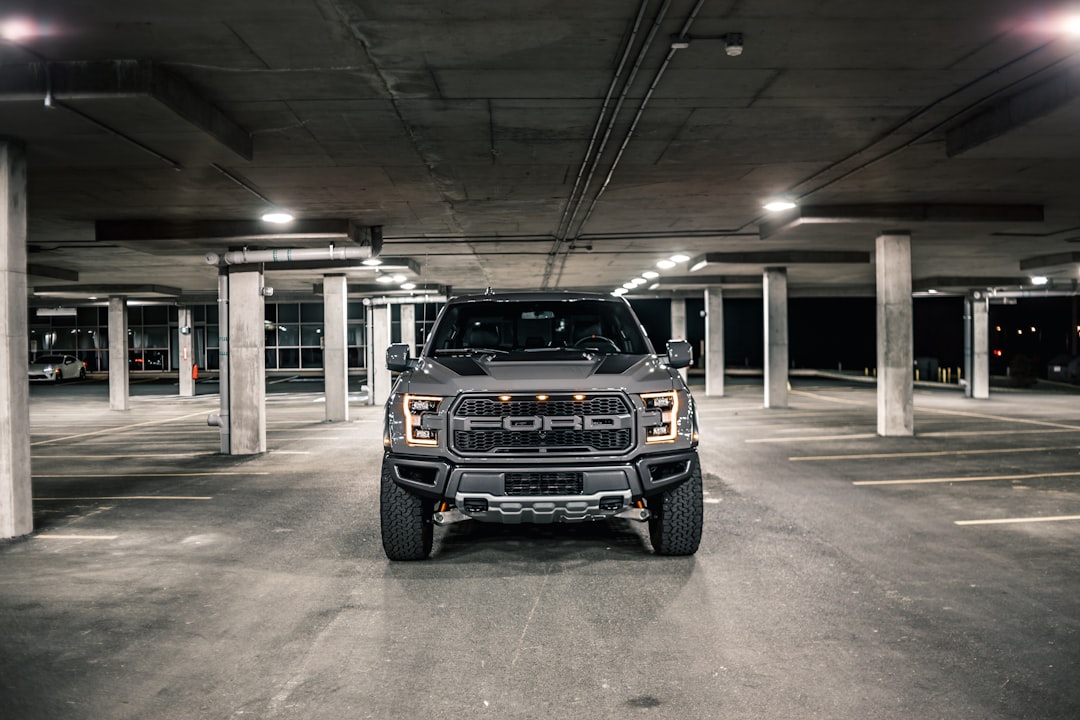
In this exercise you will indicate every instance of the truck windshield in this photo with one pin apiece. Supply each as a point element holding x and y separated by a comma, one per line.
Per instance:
<point>539,326</point>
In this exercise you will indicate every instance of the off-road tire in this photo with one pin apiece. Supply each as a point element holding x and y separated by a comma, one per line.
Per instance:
<point>407,526</point>
<point>676,517</point>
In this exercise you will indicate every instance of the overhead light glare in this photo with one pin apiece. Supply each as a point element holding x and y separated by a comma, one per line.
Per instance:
<point>679,257</point>
<point>408,286</point>
<point>278,217</point>
<point>778,205</point>
<point>1039,280</point>
<point>399,279</point>
<point>17,29</point>
<point>1071,25</point>
<point>665,264</point>
<point>629,285</point>
<point>638,281</point>
<point>932,291</point>
<point>654,286</point>
<point>371,262</point>
<point>385,279</point>
<point>700,264</point>
<point>619,292</point>
<point>650,274</point>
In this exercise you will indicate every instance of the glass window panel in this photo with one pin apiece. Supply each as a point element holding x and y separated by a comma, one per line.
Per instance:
<point>155,315</point>
<point>212,313</point>
<point>212,336</point>
<point>311,335</point>
<point>289,358</point>
<point>356,311</point>
<point>311,312</point>
<point>288,313</point>
<point>311,357</point>
<point>271,359</point>
<point>271,312</point>
<point>288,335</point>
<point>156,337</point>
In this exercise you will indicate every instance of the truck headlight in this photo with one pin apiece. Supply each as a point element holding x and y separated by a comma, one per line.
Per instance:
<point>668,404</point>
<point>416,408</point>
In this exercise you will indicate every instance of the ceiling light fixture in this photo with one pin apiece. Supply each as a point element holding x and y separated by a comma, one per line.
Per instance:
<point>371,262</point>
<point>679,257</point>
<point>408,286</point>
<point>619,292</point>
<point>779,205</point>
<point>665,264</point>
<point>638,281</point>
<point>1071,25</point>
<point>733,44</point>
<point>1039,280</point>
<point>650,274</point>
<point>278,217</point>
<point>385,279</point>
<point>629,285</point>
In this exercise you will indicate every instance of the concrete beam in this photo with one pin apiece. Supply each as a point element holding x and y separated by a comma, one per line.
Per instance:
<point>16,510</point>
<point>1013,112</point>
<point>119,79</point>
<point>300,229</point>
<point>779,257</point>
<point>1040,262</point>
<point>964,283</point>
<point>83,292</point>
<point>35,270</point>
<point>899,213</point>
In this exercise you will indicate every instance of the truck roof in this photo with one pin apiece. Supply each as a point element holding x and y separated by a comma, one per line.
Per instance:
<point>535,295</point>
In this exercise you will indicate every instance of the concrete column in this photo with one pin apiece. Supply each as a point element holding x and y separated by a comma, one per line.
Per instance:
<point>185,319</point>
<point>378,327</point>
<point>774,286</point>
<point>16,510</point>
<point>335,347</point>
<point>118,353</point>
<point>895,344</point>
<point>678,326</point>
<point>979,379</point>
<point>247,363</point>
<point>408,327</point>
<point>714,342</point>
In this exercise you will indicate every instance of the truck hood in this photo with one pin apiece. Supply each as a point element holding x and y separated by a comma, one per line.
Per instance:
<point>446,376</point>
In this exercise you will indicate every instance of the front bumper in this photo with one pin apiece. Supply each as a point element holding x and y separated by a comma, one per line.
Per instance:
<point>480,491</point>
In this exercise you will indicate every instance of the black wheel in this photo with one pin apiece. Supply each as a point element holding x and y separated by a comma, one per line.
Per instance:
<point>82,373</point>
<point>58,376</point>
<point>676,517</point>
<point>407,526</point>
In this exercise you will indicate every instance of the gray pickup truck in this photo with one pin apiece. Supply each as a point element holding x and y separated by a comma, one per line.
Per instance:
<point>539,408</point>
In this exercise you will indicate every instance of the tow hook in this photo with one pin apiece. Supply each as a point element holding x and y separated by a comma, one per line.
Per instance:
<point>449,517</point>
<point>638,514</point>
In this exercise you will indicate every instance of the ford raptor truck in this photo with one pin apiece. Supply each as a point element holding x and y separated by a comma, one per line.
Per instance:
<point>539,408</point>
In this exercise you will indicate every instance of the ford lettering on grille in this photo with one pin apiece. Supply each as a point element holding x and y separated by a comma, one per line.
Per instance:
<point>485,424</point>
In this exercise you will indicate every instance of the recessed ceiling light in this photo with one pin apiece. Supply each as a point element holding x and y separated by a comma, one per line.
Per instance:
<point>778,205</point>
<point>278,217</point>
<point>371,262</point>
<point>638,281</point>
<point>665,264</point>
<point>1071,25</point>
<point>617,292</point>
<point>629,285</point>
<point>1039,280</point>
<point>385,279</point>
<point>679,257</point>
<point>408,286</point>
<point>650,274</point>
<point>400,279</point>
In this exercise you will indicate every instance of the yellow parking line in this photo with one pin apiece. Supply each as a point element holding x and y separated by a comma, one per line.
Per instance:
<point>979,478</point>
<point>127,497</point>
<point>936,453</point>
<point>1010,521</point>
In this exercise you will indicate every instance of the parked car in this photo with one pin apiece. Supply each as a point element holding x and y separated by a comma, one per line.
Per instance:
<point>57,368</point>
<point>1064,369</point>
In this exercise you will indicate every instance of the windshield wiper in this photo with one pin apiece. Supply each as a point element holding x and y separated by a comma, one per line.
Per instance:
<point>471,351</point>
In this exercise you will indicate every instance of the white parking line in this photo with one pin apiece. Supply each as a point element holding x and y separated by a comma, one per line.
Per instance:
<point>980,478</point>
<point>934,453</point>
<point>126,497</point>
<point>1011,521</point>
<point>116,475</point>
<point>50,536</point>
<point>808,438</point>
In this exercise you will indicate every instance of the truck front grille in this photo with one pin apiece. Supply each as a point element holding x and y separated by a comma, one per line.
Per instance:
<point>597,424</point>
<point>537,483</point>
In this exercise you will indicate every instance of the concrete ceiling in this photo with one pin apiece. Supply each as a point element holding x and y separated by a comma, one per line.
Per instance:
<point>469,131</point>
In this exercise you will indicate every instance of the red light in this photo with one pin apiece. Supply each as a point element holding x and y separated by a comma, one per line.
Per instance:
<point>997,353</point>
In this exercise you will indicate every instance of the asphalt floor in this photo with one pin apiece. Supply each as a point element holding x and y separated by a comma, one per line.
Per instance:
<point>841,575</point>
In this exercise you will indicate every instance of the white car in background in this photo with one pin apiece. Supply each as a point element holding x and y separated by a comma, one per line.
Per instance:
<point>57,368</point>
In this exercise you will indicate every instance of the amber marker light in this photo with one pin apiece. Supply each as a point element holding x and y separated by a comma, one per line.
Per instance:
<point>504,398</point>
<point>541,398</point>
<point>579,397</point>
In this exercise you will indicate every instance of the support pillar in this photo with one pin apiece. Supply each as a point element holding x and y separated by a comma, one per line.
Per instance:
<point>186,338</point>
<point>678,326</point>
<point>895,343</point>
<point>247,362</point>
<point>408,327</point>
<point>775,287</point>
<point>335,347</point>
<point>978,379</point>
<point>16,510</point>
<point>714,342</point>
<point>118,353</point>
<point>378,377</point>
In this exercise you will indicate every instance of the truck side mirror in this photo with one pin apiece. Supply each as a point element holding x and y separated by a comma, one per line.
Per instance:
<point>679,353</point>
<point>397,358</point>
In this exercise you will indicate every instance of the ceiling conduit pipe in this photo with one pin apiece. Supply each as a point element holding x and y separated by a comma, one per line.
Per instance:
<point>284,255</point>
<point>591,160</point>
<point>633,126</point>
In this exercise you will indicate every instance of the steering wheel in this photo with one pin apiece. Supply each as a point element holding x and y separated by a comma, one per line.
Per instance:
<point>597,342</point>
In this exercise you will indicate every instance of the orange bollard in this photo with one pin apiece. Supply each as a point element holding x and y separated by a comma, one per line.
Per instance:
<point>194,372</point>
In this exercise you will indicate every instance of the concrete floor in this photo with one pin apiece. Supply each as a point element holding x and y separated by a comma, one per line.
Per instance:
<point>166,581</point>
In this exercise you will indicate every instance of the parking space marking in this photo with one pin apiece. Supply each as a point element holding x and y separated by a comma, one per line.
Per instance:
<point>927,453</point>
<point>975,433</point>
<point>123,455</point>
<point>50,536</point>
<point>116,475</point>
<point>120,428</point>
<point>1012,521</point>
<point>978,478</point>
<point>125,497</point>
<point>983,416</point>
<point>809,438</point>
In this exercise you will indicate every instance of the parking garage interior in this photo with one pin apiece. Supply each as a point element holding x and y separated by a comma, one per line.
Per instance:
<point>862,217</point>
